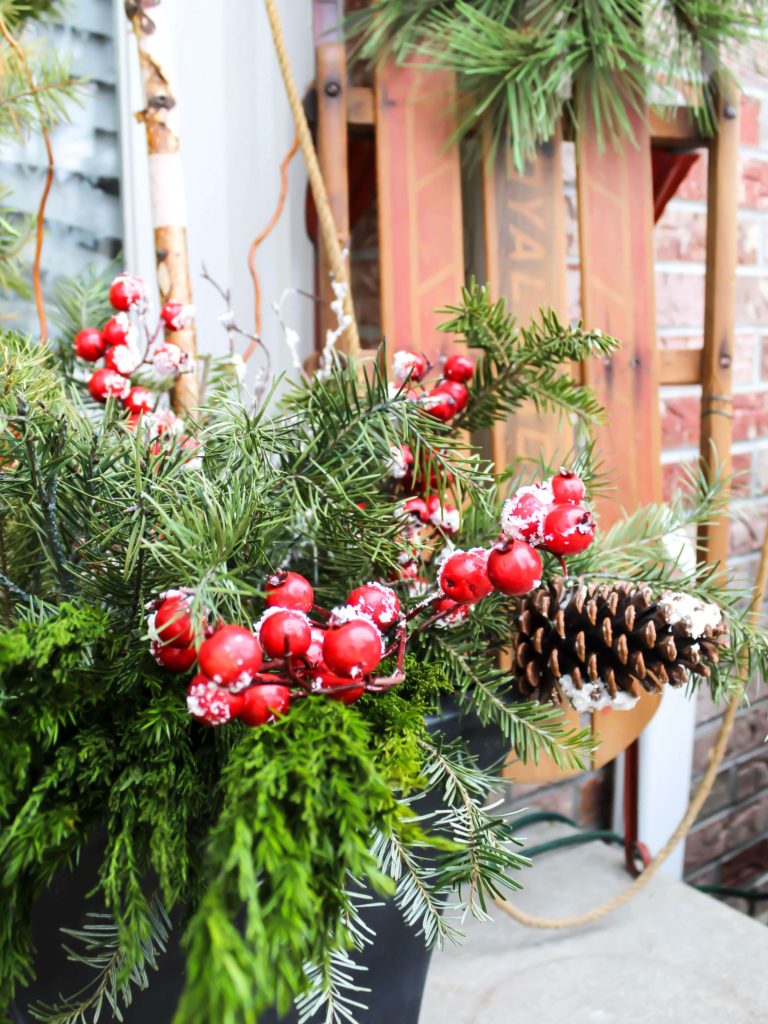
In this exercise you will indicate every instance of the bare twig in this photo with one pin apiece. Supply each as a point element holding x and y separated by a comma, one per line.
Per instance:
<point>231,326</point>
<point>40,227</point>
<point>260,238</point>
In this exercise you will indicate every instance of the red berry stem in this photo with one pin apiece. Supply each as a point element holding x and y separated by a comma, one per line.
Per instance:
<point>422,605</point>
<point>563,566</point>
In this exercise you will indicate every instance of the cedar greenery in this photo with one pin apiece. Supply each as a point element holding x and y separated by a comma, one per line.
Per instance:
<point>521,64</point>
<point>267,843</point>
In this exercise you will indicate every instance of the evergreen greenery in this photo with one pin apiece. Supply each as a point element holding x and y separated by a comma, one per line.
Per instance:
<point>521,64</point>
<point>267,844</point>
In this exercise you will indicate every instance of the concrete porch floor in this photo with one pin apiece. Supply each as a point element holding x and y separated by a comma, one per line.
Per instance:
<point>671,956</point>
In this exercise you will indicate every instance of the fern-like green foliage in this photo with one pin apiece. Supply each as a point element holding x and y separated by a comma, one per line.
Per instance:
<point>522,63</point>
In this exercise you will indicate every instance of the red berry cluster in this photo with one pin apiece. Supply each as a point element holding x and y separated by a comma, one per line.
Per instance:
<point>129,349</point>
<point>254,675</point>
<point>549,515</point>
<point>443,400</point>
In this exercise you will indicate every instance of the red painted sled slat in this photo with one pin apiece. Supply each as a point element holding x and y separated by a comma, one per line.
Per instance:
<point>420,211</point>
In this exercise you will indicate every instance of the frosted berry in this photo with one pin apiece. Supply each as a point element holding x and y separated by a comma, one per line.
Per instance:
<point>457,392</point>
<point>175,659</point>
<point>567,488</point>
<point>514,568</point>
<point>409,364</point>
<point>289,590</point>
<point>106,384</point>
<point>378,602</point>
<point>263,703</point>
<point>285,633</point>
<point>123,359</point>
<point>417,507</point>
<point>464,576</point>
<point>168,360</point>
<point>451,612</point>
<point>401,462</point>
<point>118,330</point>
<point>127,292</point>
<point>440,404</point>
<point>314,653</point>
<point>443,515</point>
<point>89,344</point>
<point>341,689</point>
<point>212,704</point>
<point>353,648</point>
<point>568,529</point>
<point>522,516</point>
<point>139,400</point>
<point>172,621</point>
<point>231,657</point>
<point>458,367</point>
<point>175,316</point>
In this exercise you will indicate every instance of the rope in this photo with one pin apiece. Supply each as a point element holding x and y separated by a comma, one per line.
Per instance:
<point>694,807</point>
<point>327,224</point>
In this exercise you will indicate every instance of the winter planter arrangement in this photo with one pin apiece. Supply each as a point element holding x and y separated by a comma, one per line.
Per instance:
<point>228,640</point>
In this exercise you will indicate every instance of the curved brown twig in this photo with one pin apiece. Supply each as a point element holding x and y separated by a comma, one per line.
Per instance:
<point>260,238</point>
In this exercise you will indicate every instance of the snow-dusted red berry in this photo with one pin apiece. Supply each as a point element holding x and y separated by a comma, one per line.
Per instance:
<point>175,659</point>
<point>123,359</point>
<point>106,384</point>
<point>440,404</point>
<point>231,657</point>
<point>167,422</point>
<point>139,400</point>
<point>458,367</point>
<point>172,621</point>
<point>339,688</point>
<point>523,515</point>
<point>168,359</point>
<point>353,648</point>
<point>263,703</point>
<point>378,601</point>
<point>464,576</point>
<point>568,529</point>
<point>567,488</point>
<point>285,632</point>
<point>456,391</point>
<point>417,507</point>
<point>89,344</point>
<point>314,653</point>
<point>118,330</point>
<point>451,612</point>
<point>514,568</point>
<point>212,704</point>
<point>176,316</point>
<point>127,292</point>
<point>289,590</point>
<point>443,515</point>
<point>409,364</point>
<point>401,463</point>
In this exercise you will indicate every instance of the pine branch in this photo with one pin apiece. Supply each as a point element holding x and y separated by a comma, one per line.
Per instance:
<point>100,950</point>
<point>521,64</point>
<point>521,364</point>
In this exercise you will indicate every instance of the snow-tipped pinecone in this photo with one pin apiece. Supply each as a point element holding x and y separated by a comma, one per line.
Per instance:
<point>599,645</point>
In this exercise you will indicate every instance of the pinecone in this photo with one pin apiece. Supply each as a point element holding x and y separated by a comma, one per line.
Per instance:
<point>599,645</point>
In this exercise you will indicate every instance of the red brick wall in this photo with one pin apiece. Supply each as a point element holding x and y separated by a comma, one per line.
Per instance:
<point>729,844</point>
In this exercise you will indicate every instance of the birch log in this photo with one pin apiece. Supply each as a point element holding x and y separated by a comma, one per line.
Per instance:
<point>149,19</point>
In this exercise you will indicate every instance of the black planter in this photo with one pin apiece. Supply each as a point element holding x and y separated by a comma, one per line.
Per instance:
<point>397,963</point>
